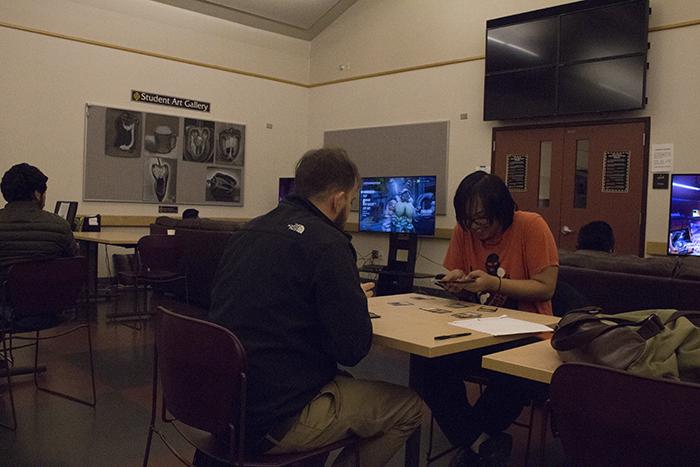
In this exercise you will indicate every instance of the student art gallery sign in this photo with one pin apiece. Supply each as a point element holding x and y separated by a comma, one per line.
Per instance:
<point>171,101</point>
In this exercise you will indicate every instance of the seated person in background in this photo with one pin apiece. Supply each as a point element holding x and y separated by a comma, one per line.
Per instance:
<point>596,236</point>
<point>288,287</point>
<point>27,232</point>
<point>506,258</point>
<point>190,213</point>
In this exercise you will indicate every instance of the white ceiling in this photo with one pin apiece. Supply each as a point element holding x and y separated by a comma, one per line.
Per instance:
<point>303,19</point>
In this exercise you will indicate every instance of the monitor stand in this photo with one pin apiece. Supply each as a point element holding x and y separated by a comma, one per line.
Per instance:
<point>397,276</point>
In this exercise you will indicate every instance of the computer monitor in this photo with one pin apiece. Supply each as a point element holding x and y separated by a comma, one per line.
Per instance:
<point>398,204</point>
<point>67,210</point>
<point>684,215</point>
<point>286,186</point>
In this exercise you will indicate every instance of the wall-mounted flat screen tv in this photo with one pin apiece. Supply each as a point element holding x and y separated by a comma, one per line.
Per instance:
<point>582,57</point>
<point>286,187</point>
<point>398,204</point>
<point>684,215</point>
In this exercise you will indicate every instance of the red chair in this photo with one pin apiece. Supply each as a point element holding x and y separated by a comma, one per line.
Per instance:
<point>37,294</point>
<point>608,418</point>
<point>202,367</point>
<point>158,268</point>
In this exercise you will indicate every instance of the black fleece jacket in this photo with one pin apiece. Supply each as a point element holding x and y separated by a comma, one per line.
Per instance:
<point>288,287</point>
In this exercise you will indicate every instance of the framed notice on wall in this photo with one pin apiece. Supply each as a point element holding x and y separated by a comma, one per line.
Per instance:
<point>516,172</point>
<point>154,158</point>
<point>616,172</point>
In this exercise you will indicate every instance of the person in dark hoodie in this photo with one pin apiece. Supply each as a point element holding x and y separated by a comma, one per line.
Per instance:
<point>288,287</point>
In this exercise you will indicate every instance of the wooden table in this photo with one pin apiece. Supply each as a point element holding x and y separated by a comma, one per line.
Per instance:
<point>89,241</point>
<point>535,362</point>
<point>412,330</point>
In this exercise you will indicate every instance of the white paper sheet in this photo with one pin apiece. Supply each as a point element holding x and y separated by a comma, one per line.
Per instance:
<point>662,157</point>
<point>501,326</point>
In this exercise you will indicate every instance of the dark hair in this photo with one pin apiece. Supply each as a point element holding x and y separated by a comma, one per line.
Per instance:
<point>597,235</point>
<point>21,181</point>
<point>495,198</point>
<point>322,171</point>
<point>190,213</point>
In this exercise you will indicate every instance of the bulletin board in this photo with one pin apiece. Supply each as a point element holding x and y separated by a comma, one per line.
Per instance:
<point>144,157</point>
<point>398,150</point>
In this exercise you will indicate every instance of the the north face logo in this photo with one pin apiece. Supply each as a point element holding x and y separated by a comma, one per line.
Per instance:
<point>298,228</point>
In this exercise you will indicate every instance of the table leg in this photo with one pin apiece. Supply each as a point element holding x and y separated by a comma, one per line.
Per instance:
<point>89,250</point>
<point>416,381</point>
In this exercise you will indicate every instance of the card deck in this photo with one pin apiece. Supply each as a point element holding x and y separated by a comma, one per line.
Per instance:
<point>466,315</point>
<point>435,310</point>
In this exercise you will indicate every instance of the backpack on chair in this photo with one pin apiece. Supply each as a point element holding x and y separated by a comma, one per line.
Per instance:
<point>655,343</point>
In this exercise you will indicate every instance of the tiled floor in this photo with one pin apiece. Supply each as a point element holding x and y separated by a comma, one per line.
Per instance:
<point>56,432</point>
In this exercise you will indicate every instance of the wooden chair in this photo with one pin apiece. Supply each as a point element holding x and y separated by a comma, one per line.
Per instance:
<point>608,417</point>
<point>202,367</point>
<point>37,293</point>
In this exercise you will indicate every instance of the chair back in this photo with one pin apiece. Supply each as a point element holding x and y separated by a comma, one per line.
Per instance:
<point>608,417</point>
<point>158,253</point>
<point>200,254</point>
<point>45,287</point>
<point>202,371</point>
<point>566,298</point>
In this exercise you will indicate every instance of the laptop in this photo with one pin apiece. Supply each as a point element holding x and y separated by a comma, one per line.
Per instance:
<point>67,210</point>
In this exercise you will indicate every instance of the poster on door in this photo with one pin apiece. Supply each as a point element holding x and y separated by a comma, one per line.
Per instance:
<point>616,172</point>
<point>516,172</point>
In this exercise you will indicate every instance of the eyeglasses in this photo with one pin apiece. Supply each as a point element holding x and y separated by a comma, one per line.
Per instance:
<point>478,222</point>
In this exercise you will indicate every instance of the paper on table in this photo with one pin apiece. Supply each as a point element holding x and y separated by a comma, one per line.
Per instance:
<point>501,326</point>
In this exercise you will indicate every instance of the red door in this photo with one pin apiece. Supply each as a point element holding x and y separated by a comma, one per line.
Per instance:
<point>577,174</point>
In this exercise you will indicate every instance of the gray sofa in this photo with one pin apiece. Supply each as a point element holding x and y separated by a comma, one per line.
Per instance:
<point>624,283</point>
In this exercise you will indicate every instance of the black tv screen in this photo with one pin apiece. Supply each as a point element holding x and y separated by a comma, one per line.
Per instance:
<point>604,32</point>
<point>684,215</point>
<point>398,204</point>
<point>522,45</point>
<point>520,94</point>
<point>601,86</point>
<point>583,57</point>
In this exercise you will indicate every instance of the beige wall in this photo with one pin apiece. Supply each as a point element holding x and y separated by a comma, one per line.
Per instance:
<point>47,81</point>
<point>381,35</point>
<point>155,27</point>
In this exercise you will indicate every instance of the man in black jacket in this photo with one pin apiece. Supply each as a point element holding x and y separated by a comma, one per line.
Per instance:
<point>288,287</point>
<point>27,232</point>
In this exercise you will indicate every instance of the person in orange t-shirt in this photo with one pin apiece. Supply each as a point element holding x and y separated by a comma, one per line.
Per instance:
<point>507,258</point>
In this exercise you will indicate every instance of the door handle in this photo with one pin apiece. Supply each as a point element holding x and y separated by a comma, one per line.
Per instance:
<point>566,230</point>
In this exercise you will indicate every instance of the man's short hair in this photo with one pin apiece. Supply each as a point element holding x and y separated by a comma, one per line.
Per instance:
<point>190,213</point>
<point>497,202</point>
<point>322,171</point>
<point>21,181</point>
<point>596,235</point>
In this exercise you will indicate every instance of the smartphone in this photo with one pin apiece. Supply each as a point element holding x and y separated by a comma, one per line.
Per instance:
<point>443,283</point>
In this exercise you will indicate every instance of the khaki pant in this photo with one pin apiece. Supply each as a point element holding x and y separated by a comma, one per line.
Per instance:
<point>383,415</point>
